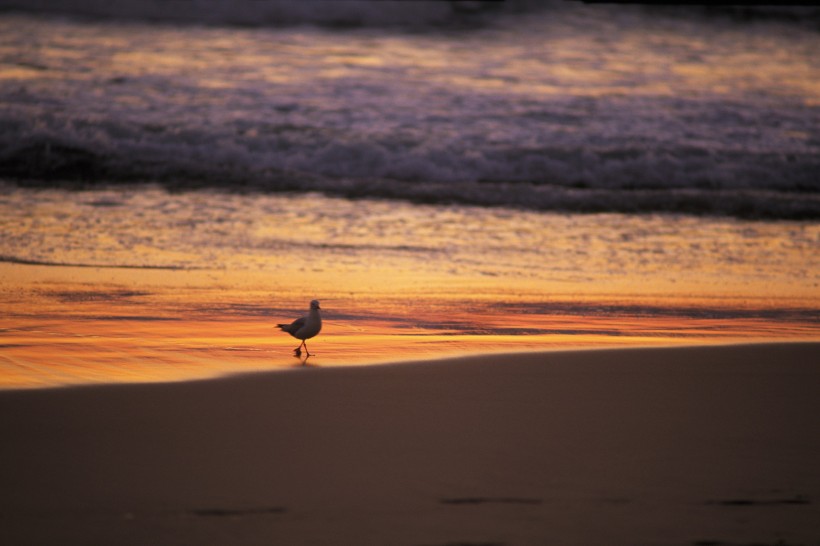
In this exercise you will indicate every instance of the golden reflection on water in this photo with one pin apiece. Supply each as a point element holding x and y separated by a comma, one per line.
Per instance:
<point>149,286</point>
<point>182,325</point>
<point>63,350</point>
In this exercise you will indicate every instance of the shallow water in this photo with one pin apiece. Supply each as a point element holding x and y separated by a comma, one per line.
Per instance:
<point>136,284</point>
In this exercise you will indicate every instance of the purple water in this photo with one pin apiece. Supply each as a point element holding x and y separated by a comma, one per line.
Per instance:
<point>561,106</point>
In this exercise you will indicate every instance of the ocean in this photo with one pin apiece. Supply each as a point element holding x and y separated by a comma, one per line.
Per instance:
<point>447,177</point>
<point>538,105</point>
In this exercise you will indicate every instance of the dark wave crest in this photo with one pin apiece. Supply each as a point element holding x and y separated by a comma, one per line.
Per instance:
<point>51,163</point>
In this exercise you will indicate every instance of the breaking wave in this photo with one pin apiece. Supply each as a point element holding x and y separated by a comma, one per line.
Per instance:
<point>573,108</point>
<point>579,181</point>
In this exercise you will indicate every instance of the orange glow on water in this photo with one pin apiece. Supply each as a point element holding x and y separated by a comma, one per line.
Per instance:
<point>61,351</point>
<point>191,285</point>
<point>136,326</point>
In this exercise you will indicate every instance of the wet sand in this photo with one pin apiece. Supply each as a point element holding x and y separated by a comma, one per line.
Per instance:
<point>697,445</point>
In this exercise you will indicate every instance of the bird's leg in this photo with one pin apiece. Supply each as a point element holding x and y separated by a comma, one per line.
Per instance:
<point>306,349</point>
<point>298,350</point>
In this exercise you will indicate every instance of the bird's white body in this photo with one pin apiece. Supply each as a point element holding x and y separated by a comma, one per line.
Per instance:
<point>311,326</point>
<point>306,327</point>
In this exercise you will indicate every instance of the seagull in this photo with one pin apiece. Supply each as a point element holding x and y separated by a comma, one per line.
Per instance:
<point>304,328</point>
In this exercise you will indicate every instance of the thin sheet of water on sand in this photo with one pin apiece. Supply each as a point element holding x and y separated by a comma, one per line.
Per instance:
<point>141,284</point>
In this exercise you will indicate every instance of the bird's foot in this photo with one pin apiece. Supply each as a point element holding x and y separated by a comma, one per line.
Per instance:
<point>297,352</point>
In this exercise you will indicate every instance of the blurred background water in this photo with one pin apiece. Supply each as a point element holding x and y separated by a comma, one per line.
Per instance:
<point>539,105</point>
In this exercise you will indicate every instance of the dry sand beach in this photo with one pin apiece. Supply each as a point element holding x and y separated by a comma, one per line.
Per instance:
<point>695,446</point>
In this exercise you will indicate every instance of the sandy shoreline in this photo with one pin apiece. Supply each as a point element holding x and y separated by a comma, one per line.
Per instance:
<point>696,445</point>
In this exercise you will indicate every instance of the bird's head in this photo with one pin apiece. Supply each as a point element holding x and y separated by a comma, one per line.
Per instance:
<point>314,304</point>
